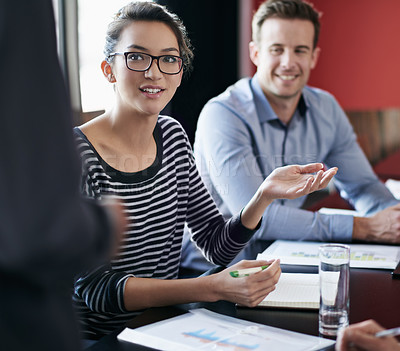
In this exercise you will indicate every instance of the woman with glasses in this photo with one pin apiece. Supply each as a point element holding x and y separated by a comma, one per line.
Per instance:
<point>144,160</point>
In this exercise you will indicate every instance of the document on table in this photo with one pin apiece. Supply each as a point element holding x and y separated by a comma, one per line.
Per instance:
<point>394,186</point>
<point>294,290</point>
<point>201,329</point>
<point>306,253</point>
<point>329,287</point>
<point>335,211</point>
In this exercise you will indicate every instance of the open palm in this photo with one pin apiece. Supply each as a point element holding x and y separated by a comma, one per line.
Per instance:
<point>290,182</point>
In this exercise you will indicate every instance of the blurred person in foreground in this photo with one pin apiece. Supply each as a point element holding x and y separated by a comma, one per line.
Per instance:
<point>48,232</point>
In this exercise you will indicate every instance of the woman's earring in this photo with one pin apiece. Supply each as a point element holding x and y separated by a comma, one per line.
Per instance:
<point>111,78</point>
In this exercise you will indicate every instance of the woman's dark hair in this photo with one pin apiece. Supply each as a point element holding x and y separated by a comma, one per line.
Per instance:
<point>148,11</point>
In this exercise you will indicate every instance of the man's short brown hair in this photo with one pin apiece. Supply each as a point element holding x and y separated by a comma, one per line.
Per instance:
<point>285,9</point>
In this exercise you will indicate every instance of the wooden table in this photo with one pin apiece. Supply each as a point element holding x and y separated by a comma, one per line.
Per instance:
<point>373,294</point>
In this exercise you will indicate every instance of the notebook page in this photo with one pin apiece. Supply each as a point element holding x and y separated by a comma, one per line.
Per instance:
<point>295,290</point>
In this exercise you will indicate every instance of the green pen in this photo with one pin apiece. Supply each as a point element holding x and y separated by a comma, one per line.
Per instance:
<point>246,272</point>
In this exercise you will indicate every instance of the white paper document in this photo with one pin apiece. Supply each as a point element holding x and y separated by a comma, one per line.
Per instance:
<point>335,211</point>
<point>306,253</point>
<point>201,329</point>
<point>394,186</point>
<point>294,290</point>
<point>329,287</point>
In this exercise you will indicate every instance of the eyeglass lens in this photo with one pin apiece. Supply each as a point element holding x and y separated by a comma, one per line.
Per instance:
<point>169,64</point>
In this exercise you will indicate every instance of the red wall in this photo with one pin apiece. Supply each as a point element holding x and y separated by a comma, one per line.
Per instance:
<point>360,56</point>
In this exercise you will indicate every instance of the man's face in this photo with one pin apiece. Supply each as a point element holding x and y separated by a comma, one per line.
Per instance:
<point>284,57</point>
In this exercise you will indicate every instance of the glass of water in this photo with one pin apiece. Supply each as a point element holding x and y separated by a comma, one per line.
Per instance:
<point>334,273</point>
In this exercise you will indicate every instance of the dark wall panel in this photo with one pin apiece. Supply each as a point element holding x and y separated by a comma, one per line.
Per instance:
<point>212,27</point>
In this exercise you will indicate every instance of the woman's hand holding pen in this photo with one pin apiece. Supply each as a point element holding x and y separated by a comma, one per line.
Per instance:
<point>249,290</point>
<point>288,182</point>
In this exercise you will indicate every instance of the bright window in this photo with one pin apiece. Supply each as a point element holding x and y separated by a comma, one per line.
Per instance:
<point>94,17</point>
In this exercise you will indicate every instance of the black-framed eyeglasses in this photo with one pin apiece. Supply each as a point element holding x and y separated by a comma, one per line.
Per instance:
<point>140,62</point>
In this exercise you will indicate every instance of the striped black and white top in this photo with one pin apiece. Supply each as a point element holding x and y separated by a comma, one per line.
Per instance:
<point>158,201</point>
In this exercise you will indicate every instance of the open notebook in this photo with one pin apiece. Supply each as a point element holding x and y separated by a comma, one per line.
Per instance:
<point>295,290</point>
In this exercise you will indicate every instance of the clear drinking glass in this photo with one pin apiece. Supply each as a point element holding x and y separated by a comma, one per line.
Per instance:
<point>334,273</point>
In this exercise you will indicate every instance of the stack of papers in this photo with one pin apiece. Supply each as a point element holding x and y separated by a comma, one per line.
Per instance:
<point>306,253</point>
<point>205,330</point>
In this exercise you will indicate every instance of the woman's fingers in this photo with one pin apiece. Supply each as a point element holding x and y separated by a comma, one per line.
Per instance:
<point>311,167</point>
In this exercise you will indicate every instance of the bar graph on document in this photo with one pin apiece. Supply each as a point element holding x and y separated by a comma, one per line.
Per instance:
<point>306,253</point>
<point>205,330</point>
<point>354,256</point>
<point>211,337</point>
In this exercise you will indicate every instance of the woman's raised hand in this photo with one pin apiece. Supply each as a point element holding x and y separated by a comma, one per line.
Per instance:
<point>290,182</point>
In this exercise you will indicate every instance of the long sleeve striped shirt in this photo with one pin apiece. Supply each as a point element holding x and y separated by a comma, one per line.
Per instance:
<point>157,201</point>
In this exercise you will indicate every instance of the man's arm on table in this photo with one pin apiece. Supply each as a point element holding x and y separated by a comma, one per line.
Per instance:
<point>379,210</point>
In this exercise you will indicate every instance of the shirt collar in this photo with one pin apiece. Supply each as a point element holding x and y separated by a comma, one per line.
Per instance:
<point>264,110</point>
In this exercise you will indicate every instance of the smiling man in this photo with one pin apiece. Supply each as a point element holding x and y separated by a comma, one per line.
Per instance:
<point>284,54</point>
<point>274,119</point>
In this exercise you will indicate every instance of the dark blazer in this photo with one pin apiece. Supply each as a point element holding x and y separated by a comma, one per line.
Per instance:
<point>48,232</point>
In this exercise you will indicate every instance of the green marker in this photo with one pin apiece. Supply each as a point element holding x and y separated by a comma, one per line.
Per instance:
<point>246,272</point>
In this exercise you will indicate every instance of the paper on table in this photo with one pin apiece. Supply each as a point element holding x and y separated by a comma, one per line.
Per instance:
<point>334,211</point>
<point>206,330</point>
<point>306,253</point>
<point>329,287</point>
<point>394,187</point>
<point>294,290</point>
